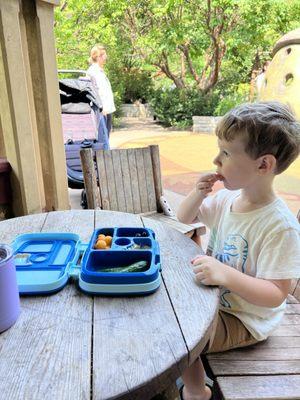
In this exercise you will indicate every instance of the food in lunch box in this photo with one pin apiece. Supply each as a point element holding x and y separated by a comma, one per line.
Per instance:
<point>103,242</point>
<point>108,240</point>
<point>100,244</point>
<point>135,267</point>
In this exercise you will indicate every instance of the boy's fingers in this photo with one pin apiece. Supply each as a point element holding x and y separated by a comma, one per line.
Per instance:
<point>196,260</point>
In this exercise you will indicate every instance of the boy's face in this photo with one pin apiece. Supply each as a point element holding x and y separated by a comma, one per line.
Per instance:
<point>237,168</point>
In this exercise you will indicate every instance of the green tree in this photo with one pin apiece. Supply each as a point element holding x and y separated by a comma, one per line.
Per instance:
<point>192,44</point>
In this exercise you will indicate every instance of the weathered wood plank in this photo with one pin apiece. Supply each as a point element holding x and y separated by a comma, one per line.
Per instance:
<point>126,181</point>
<point>259,353</point>
<point>90,179</point>
<point>266,368</point>
<point>47,353</point>
<point>291,299</point>
<point>154,149</point>
<point>292,309</point>
<point>291,319</point>
<point>10,228</point>
<point>118,180</point>
<point>149,179</point>
<point>256,388</point>
<point>179,226</point>
<point>201,301</point>
<point>287,330</point>
<point>134,181</point>
<point>142,180</point>
<point>125,327</point>
<point>110,176</point>
<point>103,183</point>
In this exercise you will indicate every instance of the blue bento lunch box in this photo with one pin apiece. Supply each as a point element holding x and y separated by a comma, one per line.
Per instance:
<point>46,261</point>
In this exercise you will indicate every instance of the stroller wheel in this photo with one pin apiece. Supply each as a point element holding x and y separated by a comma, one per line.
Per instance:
<point>83,201</point>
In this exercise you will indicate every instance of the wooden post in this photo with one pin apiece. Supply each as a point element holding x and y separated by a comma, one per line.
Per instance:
<point>154,149</point>
<point>31,131</point>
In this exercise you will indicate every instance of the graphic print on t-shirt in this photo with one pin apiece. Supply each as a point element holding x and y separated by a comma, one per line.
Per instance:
<point>234,253</point>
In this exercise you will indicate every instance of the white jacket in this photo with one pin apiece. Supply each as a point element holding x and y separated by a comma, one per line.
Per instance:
<point>100,80</point>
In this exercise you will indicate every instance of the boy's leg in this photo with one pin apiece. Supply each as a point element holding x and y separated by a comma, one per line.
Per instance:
<point>194,382</point>
<point>230,333</point>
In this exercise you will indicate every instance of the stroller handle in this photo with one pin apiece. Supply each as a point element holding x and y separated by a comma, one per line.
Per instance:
<point>72,71</point>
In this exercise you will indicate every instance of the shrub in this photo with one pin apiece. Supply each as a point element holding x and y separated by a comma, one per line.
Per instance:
<point>138,85</point>
<point>231,98</point>
<point>174,107</point>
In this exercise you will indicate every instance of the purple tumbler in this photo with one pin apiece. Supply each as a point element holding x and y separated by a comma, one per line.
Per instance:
<point>9,294</point>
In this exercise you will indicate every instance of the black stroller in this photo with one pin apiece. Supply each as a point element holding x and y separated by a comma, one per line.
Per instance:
<point>83,125</point>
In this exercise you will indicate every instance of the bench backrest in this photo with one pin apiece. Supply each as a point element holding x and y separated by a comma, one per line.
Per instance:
<point>129,179</point>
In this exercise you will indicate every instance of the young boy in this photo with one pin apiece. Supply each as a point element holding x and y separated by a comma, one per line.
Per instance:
<point>254,247</point>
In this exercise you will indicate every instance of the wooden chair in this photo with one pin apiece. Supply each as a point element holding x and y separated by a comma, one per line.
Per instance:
<point>129,180</point>
<point>268,370</point>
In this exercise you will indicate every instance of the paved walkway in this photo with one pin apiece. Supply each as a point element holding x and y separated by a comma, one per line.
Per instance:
<point>183,156</point>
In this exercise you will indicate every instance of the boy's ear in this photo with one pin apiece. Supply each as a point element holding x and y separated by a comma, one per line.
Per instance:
<point>266,164</point>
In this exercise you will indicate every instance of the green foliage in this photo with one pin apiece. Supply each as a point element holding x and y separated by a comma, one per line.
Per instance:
<point>232,97</point>
<point>174,107</point>
<point>138,85</point>
<point>145,41</point>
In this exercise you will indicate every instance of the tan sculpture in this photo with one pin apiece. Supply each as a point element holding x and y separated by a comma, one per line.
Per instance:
<point>282,79</point>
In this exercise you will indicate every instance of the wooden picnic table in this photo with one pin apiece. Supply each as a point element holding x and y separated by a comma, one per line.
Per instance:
<point>71,345</point>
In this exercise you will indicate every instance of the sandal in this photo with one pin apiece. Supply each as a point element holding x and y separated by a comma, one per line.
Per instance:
<point>182,386</point>
<point>181,392</point>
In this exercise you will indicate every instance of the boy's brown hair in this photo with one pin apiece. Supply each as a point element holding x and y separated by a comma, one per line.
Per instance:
<point>268,128</point>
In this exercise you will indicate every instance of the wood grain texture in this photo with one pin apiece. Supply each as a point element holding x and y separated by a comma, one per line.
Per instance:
<point>90,179</point>
<point>47,353</point>
<point>149,179</point>
<point>73,346</point>
<point>137,207</point>
<point>102,180</point>
<point>154,149</point>
<point>256,388</point>
<point>120,192</point>
<point>278,355</point>
<point>142,180</point>
<point>125,171</point>
<point>189,300</point>
<point>110,179</point>
<point>139,334</point>
<point>244,368</point>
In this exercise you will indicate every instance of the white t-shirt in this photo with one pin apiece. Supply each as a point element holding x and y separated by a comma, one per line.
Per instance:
<point>263,243</point>
<point>101,82</point>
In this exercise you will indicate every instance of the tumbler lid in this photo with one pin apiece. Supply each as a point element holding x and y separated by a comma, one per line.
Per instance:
<point>5,253</point>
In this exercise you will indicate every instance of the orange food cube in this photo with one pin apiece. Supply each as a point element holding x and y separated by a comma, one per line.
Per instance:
<point>101,244</point>
<point>108,240</point>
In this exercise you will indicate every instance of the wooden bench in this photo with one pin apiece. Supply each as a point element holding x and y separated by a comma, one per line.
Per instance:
<point>268,370</point>
<point>265,371</point>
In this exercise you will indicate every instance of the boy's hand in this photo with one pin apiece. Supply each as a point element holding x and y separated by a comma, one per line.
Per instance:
<point>205,183</point>
<point>210,271</point>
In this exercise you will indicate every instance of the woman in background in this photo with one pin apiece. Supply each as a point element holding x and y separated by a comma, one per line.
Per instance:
<point>98,77</point>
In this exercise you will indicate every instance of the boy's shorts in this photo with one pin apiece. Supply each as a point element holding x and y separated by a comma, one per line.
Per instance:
<point>230,333</point>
